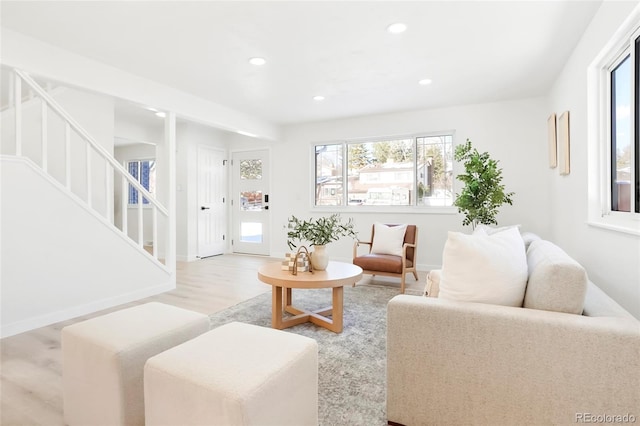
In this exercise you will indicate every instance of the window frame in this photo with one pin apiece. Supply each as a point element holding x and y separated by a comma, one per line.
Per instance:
<point>126,166</point>
<point>612,127</point>
<point>345,207</point>
<point>600,213</point>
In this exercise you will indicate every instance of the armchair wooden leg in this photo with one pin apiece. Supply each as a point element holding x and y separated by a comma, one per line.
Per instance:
<point>415,274</point>
<point>402,284</point>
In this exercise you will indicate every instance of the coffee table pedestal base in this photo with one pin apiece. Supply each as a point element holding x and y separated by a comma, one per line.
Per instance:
<point>281,301</point>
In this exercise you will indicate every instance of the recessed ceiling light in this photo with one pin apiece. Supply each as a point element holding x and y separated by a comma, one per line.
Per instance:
<point>397,28</point>
<point>257,61</point>
<point>318,98</point>
<point>425,82</point>
<point>161,114</point>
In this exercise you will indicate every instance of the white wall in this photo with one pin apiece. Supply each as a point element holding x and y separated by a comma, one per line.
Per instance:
<point>50,270</point>
<point>53,63</point>
<point>512,132</point>
<point>189,136</point>
<point>94,113</point>
<point>611,258</point>
<point>128,132</point>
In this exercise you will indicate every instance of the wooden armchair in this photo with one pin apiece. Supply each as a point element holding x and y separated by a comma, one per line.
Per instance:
<point>389,264</point>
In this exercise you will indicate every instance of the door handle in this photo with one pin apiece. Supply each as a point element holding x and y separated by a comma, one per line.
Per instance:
<point>204,208</point>
<point>266,207</point>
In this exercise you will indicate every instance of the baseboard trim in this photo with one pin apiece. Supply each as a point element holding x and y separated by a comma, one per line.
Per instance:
<point>85,309</point>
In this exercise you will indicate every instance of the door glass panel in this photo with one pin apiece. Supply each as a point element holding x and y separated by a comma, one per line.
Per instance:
<point>251,169</point>
<point>251,232</point>
<point>251,201</point>
<point>251,229</point>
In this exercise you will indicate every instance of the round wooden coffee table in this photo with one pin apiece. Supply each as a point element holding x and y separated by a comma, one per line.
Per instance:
<point>336,276</point>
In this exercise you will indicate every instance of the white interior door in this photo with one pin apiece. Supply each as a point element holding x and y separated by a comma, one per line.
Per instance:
<point>251,233</point>
<point>212,213</point>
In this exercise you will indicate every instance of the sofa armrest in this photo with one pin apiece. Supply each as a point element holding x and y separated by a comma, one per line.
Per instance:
<point>432,288</point>
<point>468,363</point>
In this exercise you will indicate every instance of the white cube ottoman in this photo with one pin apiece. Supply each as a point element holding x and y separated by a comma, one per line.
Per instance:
<point>237,374</point>
<point>103,360</point>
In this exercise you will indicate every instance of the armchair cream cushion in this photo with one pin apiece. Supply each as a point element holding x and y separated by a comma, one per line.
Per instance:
<point>388,239</point>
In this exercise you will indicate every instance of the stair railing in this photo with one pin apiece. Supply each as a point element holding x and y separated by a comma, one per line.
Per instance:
<point>91,146</point>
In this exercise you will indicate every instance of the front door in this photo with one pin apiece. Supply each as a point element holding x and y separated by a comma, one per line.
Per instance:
<point>212,213</point>
<point>251,202</point>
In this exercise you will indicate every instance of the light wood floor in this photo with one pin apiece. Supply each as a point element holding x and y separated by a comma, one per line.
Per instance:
<point>31,363</point>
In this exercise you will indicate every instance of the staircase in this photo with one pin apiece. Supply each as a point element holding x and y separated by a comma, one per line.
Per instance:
<point>62,254</point>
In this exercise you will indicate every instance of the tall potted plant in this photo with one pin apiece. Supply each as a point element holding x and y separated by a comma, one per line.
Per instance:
<point>319,232</point>
<point>483,192</point>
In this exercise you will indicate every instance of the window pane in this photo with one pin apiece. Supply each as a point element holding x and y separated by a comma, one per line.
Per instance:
<point>133,171</point>
<point>435,165</point>
<point>145,173</point>
<point>251,169</point>
<point>251,232</point>
<point>251,201</point>
<point>329,186</point>
<point>621,137</point>
<point>381,173</point>
<point>150,182</point>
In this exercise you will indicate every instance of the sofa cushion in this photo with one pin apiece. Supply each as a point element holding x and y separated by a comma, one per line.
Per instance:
<point>598,304</point>
<point>484,268</point>
<point>556,281</point>
<point>432,289</point>
<point>528,238</point>
<point>388,239</point>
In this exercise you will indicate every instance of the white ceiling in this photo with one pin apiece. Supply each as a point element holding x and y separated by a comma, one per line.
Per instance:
<point>475,51</point>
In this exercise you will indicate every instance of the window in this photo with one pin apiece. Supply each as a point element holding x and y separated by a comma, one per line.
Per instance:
<point>624,128</point>
<point>614,131</point>
<point>621,146</point>
<point>145,172</point>
<point>415,171</point>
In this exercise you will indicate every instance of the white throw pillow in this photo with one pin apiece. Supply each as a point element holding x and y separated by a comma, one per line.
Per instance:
<point>481,228</point>
<point>484,268</point>
<point>388,239</point>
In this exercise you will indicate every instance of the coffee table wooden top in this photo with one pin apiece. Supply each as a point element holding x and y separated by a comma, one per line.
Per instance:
<point>337,274</point>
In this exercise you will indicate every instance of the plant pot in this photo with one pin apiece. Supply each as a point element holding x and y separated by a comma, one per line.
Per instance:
<point>319,258</point>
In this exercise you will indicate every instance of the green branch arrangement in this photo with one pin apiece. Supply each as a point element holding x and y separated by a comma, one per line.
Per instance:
<point>483,192</point>
<point>320,231</point>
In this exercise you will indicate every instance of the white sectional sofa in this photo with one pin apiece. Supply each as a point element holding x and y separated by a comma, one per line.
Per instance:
<point>455,362</point>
